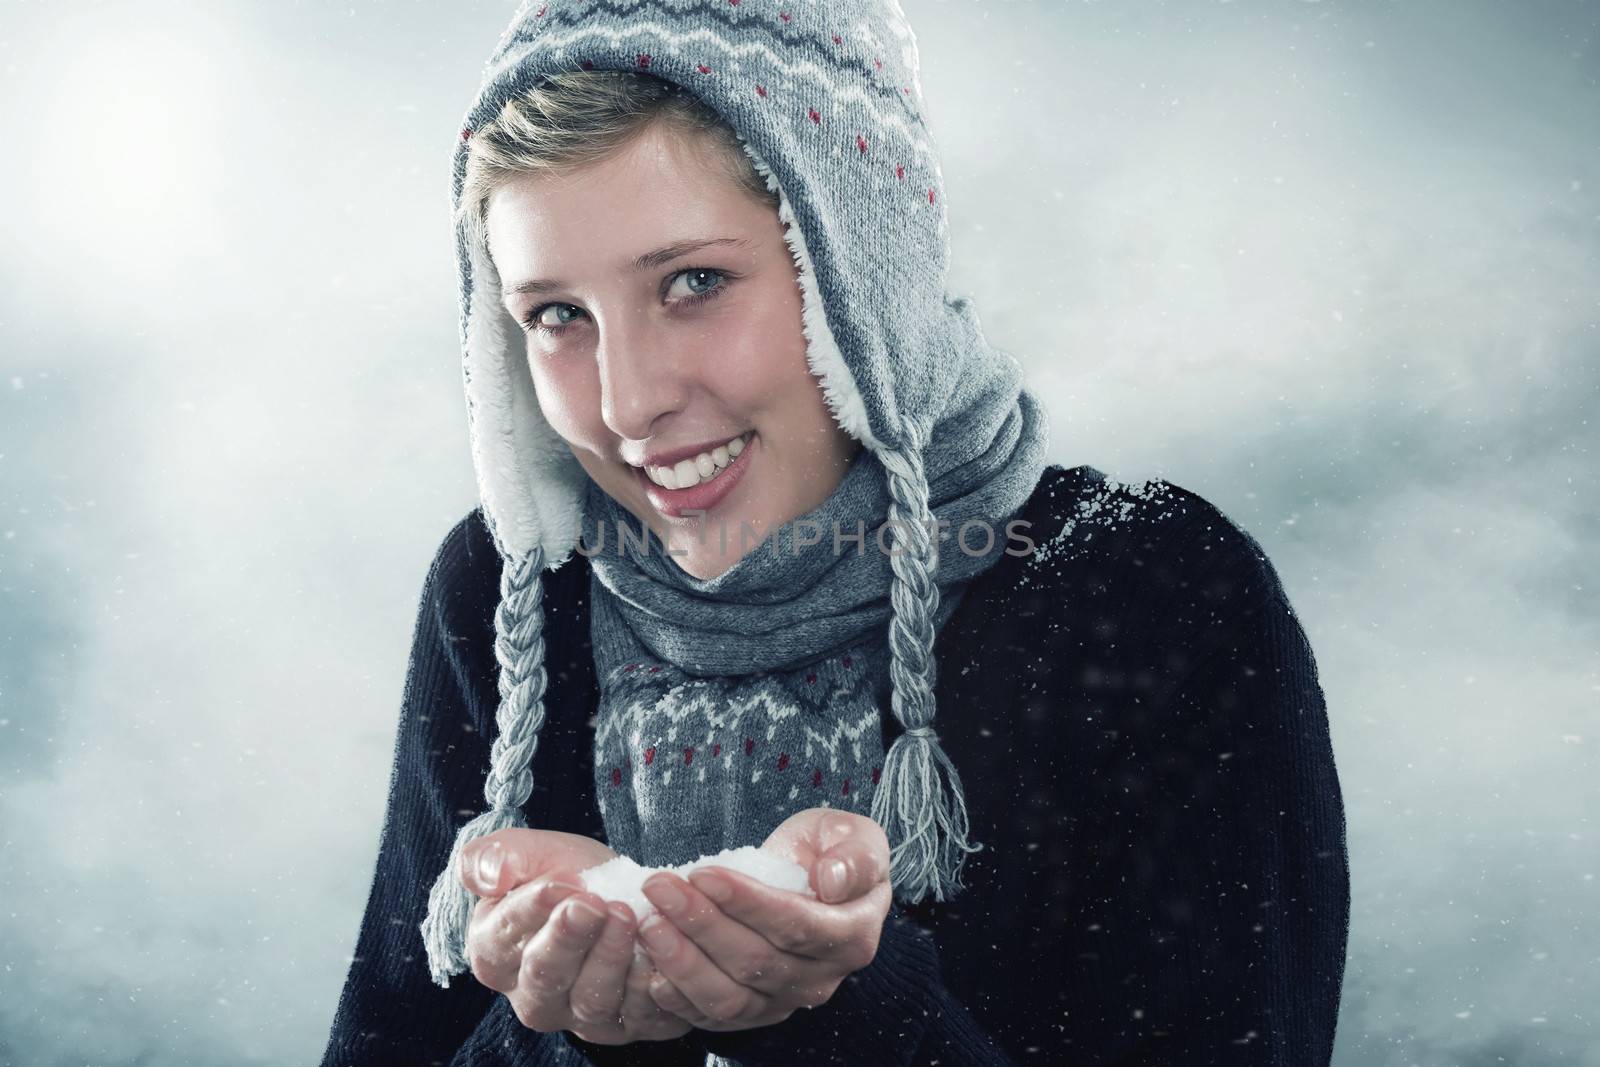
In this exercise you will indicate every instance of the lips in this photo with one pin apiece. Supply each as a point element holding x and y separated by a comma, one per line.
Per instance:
<point>701,467</point>
<point>705,496</point>
<point>672,458</point>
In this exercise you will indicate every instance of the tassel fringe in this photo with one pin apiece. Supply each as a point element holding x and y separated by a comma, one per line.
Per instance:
<point>926,824</point>
<point>450,904</point>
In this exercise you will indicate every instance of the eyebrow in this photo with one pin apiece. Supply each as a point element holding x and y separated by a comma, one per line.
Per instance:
<point>657,258</point>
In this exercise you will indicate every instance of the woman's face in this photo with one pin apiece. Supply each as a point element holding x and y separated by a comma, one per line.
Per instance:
<point>643,349</point>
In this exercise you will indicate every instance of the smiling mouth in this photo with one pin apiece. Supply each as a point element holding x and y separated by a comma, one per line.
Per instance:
<point>709,492</point>
<point>702,469</point>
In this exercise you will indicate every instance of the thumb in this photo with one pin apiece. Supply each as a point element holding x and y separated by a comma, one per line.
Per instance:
<point>490,867</point>
<point>851,867</point>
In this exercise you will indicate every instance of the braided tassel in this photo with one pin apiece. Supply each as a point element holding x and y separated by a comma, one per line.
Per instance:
<point>519,648</point>
<point>926,825</point>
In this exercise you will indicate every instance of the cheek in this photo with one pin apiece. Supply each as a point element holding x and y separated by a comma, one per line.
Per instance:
<point>569,397</point>
<point>764,358</point>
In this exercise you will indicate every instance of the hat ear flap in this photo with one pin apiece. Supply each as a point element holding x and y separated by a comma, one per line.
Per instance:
<point>823,355</point>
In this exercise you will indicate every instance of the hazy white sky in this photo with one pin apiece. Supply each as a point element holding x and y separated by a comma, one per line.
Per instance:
<point>1330,265</point>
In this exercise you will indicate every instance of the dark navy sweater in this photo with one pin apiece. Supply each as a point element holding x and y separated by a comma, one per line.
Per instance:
<point>1143,744</point>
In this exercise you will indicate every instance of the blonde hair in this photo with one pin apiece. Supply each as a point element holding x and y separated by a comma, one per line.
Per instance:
<point>572,119</point>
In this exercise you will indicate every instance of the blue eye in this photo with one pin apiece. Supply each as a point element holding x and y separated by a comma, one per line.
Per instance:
<point>531,323</point>
<point>701,271</point>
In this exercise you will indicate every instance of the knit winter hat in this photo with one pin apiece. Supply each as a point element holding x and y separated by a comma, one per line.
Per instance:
<point>826,100</point>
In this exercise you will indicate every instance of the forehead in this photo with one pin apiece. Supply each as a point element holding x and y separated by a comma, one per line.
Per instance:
<point>648,194</point>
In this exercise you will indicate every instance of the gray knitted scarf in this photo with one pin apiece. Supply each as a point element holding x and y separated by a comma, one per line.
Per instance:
<point>729,704</point>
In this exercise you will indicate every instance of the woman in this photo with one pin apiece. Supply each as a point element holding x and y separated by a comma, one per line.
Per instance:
<point>721,233</point>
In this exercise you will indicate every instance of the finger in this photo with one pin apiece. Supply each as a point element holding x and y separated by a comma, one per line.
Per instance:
<point>552,960</point>
<point>739,952</point>
<point>597,993</point>
<point>707,987</point>
<point>643,1017</point>
<point>668,998</point>
<point>792,922</point>
<point>492,865</point>
<point>838,827</point>
<point>712,997</point>
<point>851,867</point>
<point>527,907</point>
<point>500,929</point>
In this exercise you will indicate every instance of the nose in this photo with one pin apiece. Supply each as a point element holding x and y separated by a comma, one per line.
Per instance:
<point>642,378</point>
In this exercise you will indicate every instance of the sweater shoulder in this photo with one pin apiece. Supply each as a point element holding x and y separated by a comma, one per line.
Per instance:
<point>464,581</point>
<point>1141,540</point>
<point>463,578</point>
<point>1129,580</point>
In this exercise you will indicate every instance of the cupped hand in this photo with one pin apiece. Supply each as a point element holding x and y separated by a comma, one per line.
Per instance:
<point>564,957</point>
<point>735,953</point>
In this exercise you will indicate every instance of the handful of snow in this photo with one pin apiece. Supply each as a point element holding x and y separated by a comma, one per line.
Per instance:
<point>622,879</point>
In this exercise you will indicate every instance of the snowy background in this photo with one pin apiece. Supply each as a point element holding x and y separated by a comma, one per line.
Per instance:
<point>1330,265</point>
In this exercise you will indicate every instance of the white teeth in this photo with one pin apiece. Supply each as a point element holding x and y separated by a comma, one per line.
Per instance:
<point>687,473</point>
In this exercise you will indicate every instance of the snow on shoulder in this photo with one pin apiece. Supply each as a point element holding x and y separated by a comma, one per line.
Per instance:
<point>1104,504</point>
